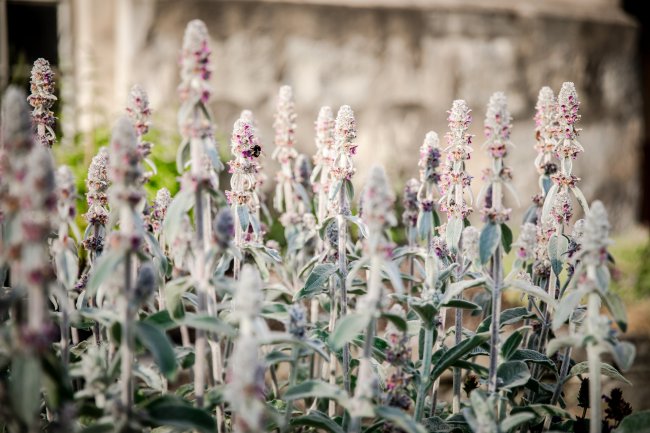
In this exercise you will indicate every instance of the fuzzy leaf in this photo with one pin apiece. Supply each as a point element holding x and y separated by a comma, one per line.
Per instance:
<point>208,323</point>
<point>316,281</point>
<point>182,202</point>
<point>173,412</point>
<point>511,344</point>
<point>102,269</point>
<point>348,328</point>
<point>317,420</point>
<point>506,238</point>
<point>605,370</point>
<point>514,421</point>
<point>25,387</point>
<point>455,353</point>
<point>557,248</point>
<point>638,422</point>
<point>316,389</point>
<point>513,374</point>
<point>399,419</point>
<point>616,307</point>
<point>159,345</point>
<point>489,241</point>
<point>454,231</point>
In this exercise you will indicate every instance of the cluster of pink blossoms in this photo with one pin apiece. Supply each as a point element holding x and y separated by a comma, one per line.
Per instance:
<point>42,99</point>
<point>455,181</point>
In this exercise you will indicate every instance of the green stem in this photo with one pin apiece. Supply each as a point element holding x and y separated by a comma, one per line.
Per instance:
<point>593,359</point>
<point>425,371</point>
<point>496,316</point>
<point>292,381</point>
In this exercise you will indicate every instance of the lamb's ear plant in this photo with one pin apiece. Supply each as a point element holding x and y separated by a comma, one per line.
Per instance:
<point>591,280</point>
<point>456,201</point>
<point>497,130</point>
<point>229,345</point>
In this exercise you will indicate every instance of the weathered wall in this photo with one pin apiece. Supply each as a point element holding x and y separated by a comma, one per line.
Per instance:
<point>401,67</point>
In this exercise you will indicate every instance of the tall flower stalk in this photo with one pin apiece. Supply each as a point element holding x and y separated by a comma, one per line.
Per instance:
<point>197,129</point>
<point>497,131</point>
<point>377,212</point>
<point>139,112</point>
<point>285,152</point>
<point>126,194</point>
<point>242,196</point>
<point>455,186</point>
<point>342,170</point>
<point>245,388</point>
<point>42,99</point>
<point>323,159</point>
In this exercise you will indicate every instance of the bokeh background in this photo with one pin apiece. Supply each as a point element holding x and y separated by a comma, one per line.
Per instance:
<point>398,63</point>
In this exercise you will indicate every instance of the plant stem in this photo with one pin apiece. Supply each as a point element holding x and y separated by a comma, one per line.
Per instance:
<point>496,316</point>
<point>343,271</point>
<point>424,373</point>
<point>127,341</point>
<point>295,353</point>
<point>593,359</point>
<point>200,343</point>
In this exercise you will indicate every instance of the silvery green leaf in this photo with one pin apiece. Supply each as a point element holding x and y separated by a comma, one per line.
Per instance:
<point>506,238</point>
<point>542,410</point>
<point>532,290</point>
<point>513,421</point>
<point>347,328</point>
<point>424,224</point>
<point>399,419</point>
<point>182,156</point>
<point>317,420</point>
<point>529,355</point>
<point>457,352</point>
<point>565,308</point>
<point>616,307</point>
<point>605,370</point>
<point>67,266</point>
<point>456,289</point>
<point>25,387</point>
<point>513,374</point>
<point>489,241</point>
<point>454,231</point>
<point>103,268</point>
<point>159,345</point>
<point>316,389</point>
<point>558,245</point>
<point>510,346</point>
<point>242,217</point>
<point>638,422</point>
<point>566,341</point>
<point>548,202</point>
<point>316,281</point>
<point>624,354</point>
<point>394,275</point>
<point>363,228</point>
<point>581,199</point>
<point>182,202</point>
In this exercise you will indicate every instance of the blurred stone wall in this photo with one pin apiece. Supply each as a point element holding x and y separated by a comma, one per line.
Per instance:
<point>400,65</point>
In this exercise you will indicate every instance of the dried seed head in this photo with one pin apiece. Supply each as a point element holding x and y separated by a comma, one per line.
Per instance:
<point>42,99</point>
<point>377,201</point>
<point>526,242</point>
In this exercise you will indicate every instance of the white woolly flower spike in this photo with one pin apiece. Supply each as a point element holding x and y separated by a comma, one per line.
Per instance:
<point>42,99</point>
<point>377,201</point>
<point>526,242</point>
<point>285,127</point>
<point>568,111</point>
